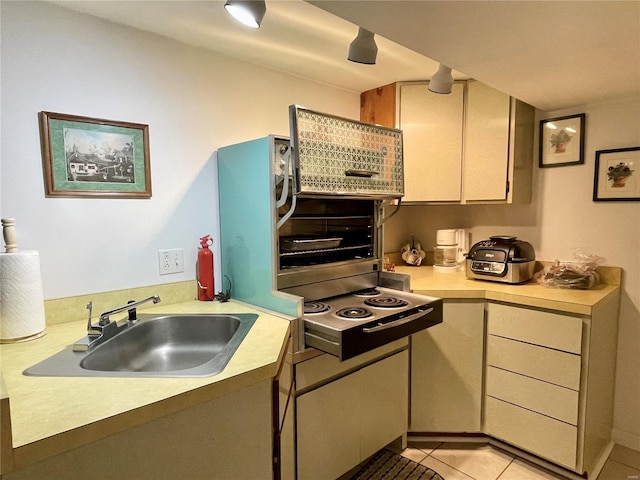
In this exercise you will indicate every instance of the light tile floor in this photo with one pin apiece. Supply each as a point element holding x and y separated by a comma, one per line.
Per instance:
<point>477,461</point>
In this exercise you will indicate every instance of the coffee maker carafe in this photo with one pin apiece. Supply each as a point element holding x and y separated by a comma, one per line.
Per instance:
<point>450,251</point>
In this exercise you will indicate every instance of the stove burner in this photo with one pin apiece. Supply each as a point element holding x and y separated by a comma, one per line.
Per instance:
<point>354,312</point>
<point>368,292</point>
<point>315,307</point>
<point>386,302</point>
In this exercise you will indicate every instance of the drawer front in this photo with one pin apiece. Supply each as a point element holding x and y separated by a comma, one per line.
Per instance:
<point>552,330</point>
<point>543,436</point>
<point>541,363</point>
<point>323,367</point>
<point>550,400</point>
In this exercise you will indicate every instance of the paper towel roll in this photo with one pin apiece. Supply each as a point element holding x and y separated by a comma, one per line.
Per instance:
<point>22,307</point>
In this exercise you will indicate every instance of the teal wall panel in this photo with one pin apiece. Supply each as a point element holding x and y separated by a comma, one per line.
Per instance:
<point>247,225</point>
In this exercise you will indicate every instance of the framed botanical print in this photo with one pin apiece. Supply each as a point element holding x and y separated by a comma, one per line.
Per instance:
<point>616,177</point>
<point>562,141</point>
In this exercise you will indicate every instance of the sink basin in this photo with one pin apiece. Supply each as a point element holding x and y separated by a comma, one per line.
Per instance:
<point>185,345</point>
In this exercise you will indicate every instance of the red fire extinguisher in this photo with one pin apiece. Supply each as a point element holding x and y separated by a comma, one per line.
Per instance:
<point>205,270</point>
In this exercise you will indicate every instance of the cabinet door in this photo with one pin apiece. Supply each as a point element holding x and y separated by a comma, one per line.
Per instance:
<point>432,136</point>
<point>328,429</point>
<point>446,371</point>
<point>385,403</point>
<point>343,422</point>
<point>486,147</point>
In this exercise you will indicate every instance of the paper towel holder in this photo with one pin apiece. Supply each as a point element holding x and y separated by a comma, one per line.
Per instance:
<point>9,235</point>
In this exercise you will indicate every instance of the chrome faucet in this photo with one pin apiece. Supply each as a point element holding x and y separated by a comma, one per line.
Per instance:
<point>105,328</point>
<point>104,317</point>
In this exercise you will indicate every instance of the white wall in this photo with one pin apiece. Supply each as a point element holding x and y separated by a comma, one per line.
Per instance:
<point>561,217</point>
<point>194,102</point>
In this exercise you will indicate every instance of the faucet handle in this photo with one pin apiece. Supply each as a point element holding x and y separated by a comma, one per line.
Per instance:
<point>132,312</point>
<point>90,308</point>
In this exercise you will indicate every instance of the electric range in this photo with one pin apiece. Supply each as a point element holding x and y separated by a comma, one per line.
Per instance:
<point>350,324</point>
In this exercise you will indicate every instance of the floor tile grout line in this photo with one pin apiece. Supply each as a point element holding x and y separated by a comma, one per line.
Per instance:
<point>622,463</point>
<point>450,466</point>
<point>513,459</point>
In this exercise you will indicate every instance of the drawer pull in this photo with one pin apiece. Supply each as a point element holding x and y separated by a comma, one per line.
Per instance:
<point>402,321</point>
<point>360,173</point>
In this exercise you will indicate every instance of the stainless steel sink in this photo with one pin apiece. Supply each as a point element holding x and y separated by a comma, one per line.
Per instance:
<point>191,345</point>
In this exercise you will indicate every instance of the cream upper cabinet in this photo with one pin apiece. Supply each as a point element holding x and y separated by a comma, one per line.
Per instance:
<point>432,143</point>
<point>474,145</point>
<point>486,147</point>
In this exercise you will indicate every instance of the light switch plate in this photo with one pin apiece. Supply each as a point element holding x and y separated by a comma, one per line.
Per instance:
<point>170,261</point>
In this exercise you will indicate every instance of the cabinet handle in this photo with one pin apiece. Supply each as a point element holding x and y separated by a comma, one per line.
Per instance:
<point>402,321</point>
<point>360,173</point>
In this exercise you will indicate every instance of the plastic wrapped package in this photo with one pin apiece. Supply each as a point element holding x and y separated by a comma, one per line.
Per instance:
<point>580,273</point>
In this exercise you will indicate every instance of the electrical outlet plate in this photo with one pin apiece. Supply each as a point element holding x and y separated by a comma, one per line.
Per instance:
<point>170,261</point>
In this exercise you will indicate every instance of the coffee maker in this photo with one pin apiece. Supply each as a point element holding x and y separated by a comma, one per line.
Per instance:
<point>451,249</point>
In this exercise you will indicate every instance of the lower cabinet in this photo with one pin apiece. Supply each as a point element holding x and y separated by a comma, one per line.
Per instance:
<point>549,381</point>
<point>531,431</point>
<point>229,437</point>
<point>446,371</point>
<point>537,379</point>
<point>344,421</point>
<point>533,380</point>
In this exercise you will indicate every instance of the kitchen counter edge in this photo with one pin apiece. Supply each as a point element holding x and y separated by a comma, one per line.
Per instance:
<point>455,285</point>
<point>46,416</point>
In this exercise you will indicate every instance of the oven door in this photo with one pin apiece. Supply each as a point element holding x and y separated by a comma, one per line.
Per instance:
<point>337,156</point>
<point>348,339</point>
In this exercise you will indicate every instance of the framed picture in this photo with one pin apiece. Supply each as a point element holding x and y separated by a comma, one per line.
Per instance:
<point>562,141</point>
<point>616,175</point>
<point>93,157</point>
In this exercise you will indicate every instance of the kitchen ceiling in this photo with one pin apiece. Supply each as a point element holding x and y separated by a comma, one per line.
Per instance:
<point>551,54</point>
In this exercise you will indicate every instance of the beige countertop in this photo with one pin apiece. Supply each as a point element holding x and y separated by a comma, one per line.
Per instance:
<point>455,285</point>
<point>49,415</point>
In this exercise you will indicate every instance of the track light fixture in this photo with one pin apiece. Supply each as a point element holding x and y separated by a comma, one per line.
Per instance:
<point>442,81</point>
<point>247,12</point>
<point>363,49</point>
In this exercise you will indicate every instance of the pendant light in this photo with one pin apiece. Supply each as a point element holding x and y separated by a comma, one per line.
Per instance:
<point>247,12</point>
<point>442,81</point>
<point>363,49</point>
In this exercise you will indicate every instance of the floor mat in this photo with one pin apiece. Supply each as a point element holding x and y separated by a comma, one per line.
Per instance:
<point>386,465</point>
